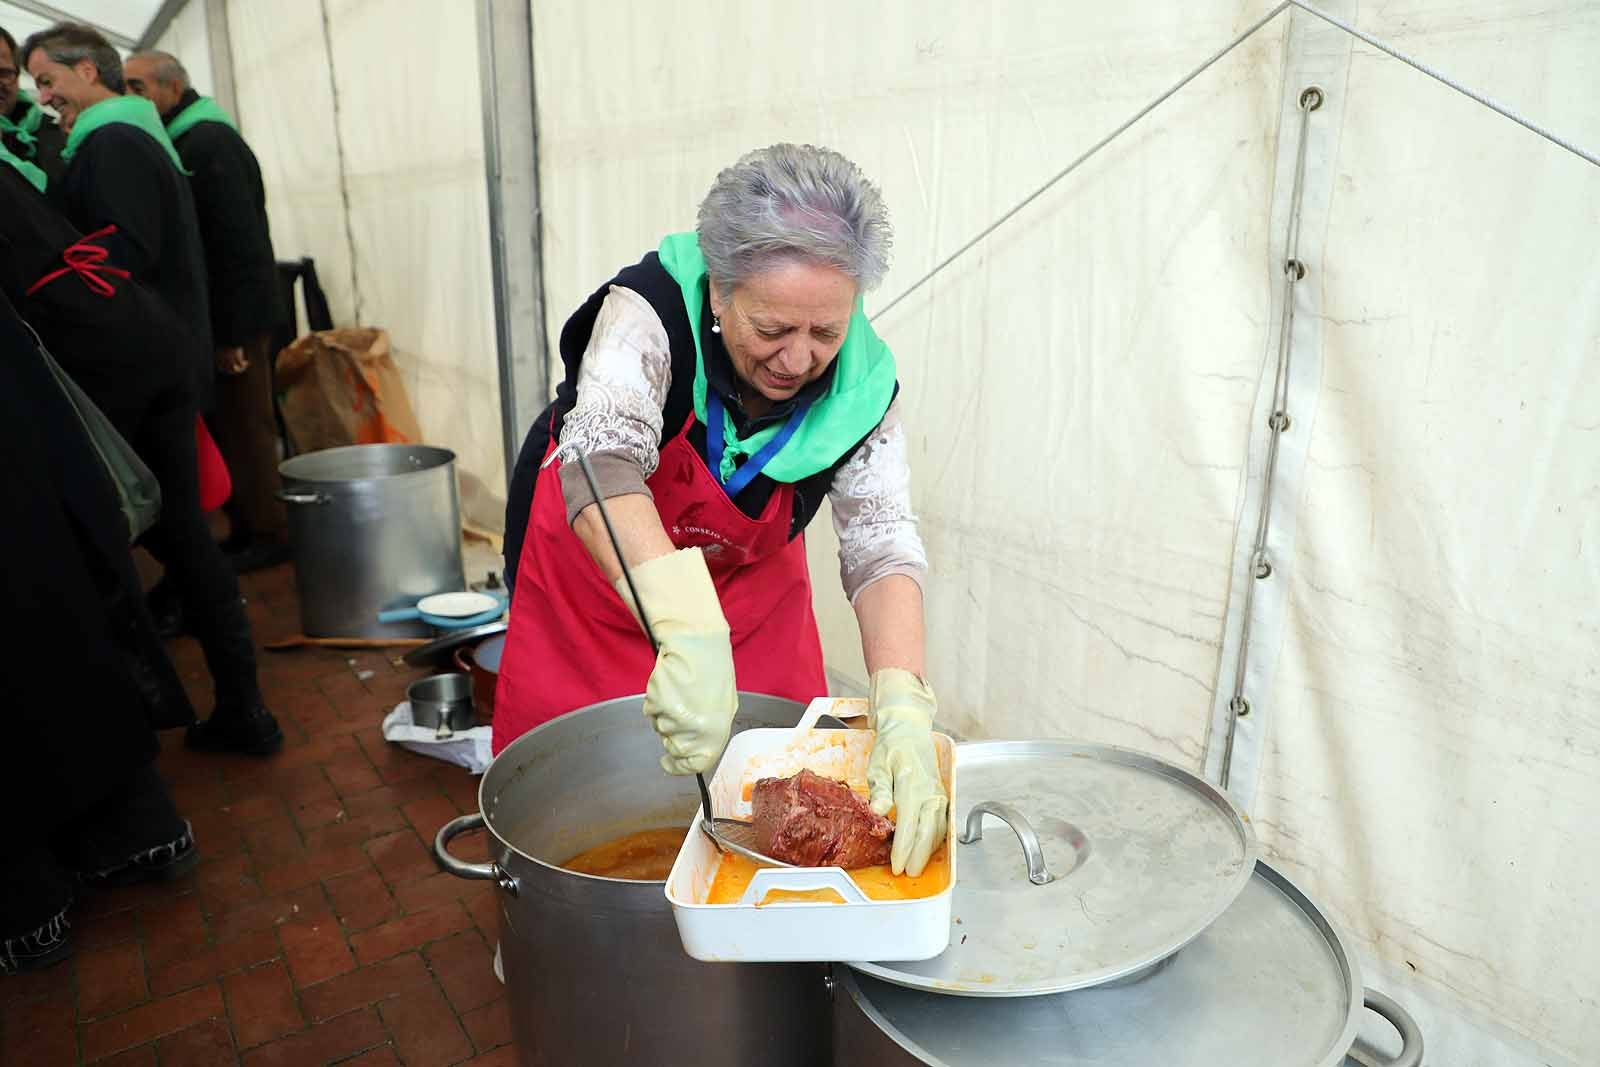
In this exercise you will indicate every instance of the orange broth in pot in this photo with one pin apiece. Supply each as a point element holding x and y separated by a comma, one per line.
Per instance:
<point>645,856</point>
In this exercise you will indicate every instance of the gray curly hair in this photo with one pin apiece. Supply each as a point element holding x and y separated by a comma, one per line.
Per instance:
<point>790,202</point>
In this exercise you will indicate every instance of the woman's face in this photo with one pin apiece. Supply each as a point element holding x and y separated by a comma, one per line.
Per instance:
<point>783,327</point>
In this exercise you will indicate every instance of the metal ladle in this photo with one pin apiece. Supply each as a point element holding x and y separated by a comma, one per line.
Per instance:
<point>729,835</point>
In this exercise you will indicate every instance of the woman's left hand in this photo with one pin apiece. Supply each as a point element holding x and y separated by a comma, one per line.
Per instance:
<point>903,771</point>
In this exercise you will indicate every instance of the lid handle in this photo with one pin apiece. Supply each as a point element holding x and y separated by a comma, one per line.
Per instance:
<point>1038,873</point>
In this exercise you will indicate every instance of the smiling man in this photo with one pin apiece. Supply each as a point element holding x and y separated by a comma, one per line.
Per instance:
<point>26,131</point>
<point>122,170</point>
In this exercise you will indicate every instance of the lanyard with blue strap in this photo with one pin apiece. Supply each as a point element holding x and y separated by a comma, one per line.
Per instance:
<point>756,463</point>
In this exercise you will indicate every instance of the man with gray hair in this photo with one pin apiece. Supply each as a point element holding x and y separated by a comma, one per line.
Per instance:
<point>242,276</point>
<point>25,130</point>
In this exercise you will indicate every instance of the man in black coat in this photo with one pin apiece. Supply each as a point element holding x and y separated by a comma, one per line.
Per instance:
<point>77,289</point>
<point>246,306</point>
<point>25,130</point>
<point>122,171</point>
<point>86,804</point>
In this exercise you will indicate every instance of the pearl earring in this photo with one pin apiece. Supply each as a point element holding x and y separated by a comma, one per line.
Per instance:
<point>716,324</point>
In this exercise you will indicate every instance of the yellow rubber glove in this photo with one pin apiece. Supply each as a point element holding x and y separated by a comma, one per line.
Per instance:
<point>690,699</point>
<point>903,772</point>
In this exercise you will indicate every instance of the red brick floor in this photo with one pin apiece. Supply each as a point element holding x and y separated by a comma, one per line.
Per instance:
<point>316,928</point>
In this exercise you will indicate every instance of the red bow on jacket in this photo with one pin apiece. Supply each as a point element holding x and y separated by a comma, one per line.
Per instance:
<point>88,261</point>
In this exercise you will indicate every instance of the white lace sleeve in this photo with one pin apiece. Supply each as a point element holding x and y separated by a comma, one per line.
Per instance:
<point>871,499</point>
<point>622,387</point>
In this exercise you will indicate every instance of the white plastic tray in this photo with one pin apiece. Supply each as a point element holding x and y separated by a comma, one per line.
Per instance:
<point>802,931</point>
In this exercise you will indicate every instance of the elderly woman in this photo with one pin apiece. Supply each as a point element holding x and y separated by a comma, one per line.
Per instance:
<point>721,387</point>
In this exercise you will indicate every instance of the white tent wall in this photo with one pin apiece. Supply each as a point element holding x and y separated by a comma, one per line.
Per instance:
<point>1064,593</point>
<point>367,120</point>
<point>188,38</point>
<point>1080,389</point>
<point>285,95</point>
<point>1430,768</point>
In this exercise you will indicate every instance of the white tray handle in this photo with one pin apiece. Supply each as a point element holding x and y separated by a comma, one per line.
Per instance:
<point>815,710</point>
<point>801,879</point>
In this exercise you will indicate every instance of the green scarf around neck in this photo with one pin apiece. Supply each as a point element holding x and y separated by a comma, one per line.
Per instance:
<point>26,132</point>
<point>204,109</point>
<point>133,111</point>
<point>24,168</point>
<point>863,383</point>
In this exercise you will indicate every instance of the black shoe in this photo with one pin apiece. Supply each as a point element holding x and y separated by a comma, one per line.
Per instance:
<point>254,733</point>
<point>257,554</point>
<point>37,949</point>
<point>166,609</point>
<point>160,864</point>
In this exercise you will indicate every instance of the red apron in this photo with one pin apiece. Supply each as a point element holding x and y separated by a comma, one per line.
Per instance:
<point>572,643</point>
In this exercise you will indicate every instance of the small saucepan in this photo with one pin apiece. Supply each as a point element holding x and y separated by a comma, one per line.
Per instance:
<point>482,664</point>
<point>442,702</point>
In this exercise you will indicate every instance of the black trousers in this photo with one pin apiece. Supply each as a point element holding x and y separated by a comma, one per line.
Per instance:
<point>181,541</point>
<point>40,875</point>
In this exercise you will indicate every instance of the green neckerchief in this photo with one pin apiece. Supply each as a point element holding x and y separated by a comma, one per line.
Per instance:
<point>204,109</point>
<point>133,111</point>
<point>24,168</point>
<point>863,384</point>
<point>27,131</point>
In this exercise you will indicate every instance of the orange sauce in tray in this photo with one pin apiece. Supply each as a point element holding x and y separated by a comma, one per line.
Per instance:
<point>735,872</point>
<point>646,856</point>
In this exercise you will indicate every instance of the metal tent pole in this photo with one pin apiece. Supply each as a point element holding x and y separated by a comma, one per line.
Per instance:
<point>511,166</point>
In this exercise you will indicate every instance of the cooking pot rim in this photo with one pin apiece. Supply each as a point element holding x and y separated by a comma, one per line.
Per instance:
<point>435,455</point>
<point>483,783</point>
<point>1345,961</point>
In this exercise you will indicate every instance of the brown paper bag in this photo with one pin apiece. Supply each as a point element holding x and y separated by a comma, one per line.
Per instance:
<point>340,387</point>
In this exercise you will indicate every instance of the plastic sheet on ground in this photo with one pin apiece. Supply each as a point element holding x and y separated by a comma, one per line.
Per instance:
<point>464,748</point>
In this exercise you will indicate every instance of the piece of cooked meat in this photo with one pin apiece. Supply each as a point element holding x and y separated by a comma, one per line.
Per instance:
<point>812,821</point>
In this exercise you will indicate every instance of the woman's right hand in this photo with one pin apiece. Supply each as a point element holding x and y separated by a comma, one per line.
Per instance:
<point>690,698</point>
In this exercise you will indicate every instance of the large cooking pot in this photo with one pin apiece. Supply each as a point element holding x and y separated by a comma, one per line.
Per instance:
<point>594,969</point>
<point>371,527</point>
<point>1269,984</point>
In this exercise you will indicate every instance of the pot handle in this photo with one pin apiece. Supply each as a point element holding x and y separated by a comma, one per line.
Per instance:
<point>450,865</point>
<point>1032,852</point>
<point>302,498</point>
<point>1401,1020</point>
<point>400,614</point>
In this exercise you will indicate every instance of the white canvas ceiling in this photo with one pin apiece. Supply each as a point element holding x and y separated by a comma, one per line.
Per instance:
<point>125,19</point>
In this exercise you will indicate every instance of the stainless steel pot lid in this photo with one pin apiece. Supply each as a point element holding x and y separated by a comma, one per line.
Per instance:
<point>1270,983</point>
<point>1138,857</point>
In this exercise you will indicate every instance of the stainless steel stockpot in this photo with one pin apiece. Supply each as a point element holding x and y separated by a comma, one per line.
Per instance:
<point>371,527</point>
<point>593,966</point>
